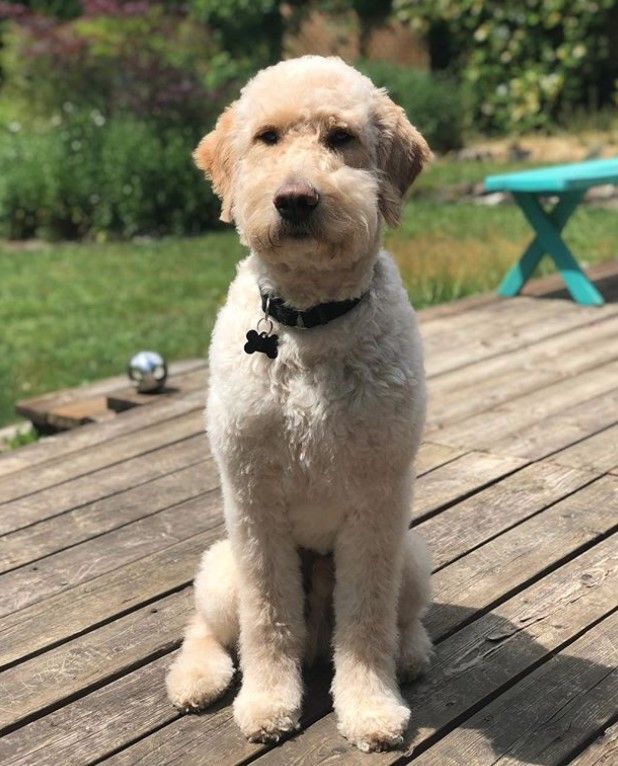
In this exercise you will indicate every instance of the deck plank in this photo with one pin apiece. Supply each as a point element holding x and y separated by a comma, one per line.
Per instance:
<point>597,452</point>
<point>92,519</point>
<point>105,481</point>
<point>437,542</point>
<point>61,571</point>
<point>471,665</point>
<point>460,348</point>
<point>487,430</point>
<point>138,538</point>
<point>105,525</point>
<point>602,752</point>
<point>577,594</point>
<point>87,461</point>
<point>173,474</point>
<point>105,653</point>
<point>498,508</point>
<point>544,717</point>
<point>561,430</point>
<point>52,448</point>
<point>488,383</point>
<point>459,478</point>
<point>48,409</point>
<point>516,556</point>
<point>106,597</point>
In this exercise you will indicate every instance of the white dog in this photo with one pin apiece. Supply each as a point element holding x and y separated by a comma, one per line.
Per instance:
<point>315,411</point>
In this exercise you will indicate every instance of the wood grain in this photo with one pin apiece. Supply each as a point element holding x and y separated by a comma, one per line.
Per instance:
<point>470,666</point>
<point>456,479</point>
<point>526,551</point>
<point>488,430</point>
<point>431,455</point>
<point>87,461</point>
<point>66,569</point>
<point>73,611</point>
<point>487,383</point>
<point>546,715</point>
<point>554,433</point>
<point>598,452</point>
<point>501,506</point>
<point>538,320</point>
<point>602,752</point>
<point>80,664</point>
<point>109,512</point>
<point>51,448</point>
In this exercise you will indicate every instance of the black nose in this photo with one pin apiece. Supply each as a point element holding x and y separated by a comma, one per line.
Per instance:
<point>295,201</point>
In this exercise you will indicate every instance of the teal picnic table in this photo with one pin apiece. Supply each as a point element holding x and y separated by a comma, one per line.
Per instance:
<point>569,184</point>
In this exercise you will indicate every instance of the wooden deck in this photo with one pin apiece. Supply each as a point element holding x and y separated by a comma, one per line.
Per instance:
<point>518,496</point>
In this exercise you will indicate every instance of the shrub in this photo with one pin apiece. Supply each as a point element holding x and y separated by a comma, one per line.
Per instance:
<point>131,87</point>
<point>523,63</point>
<point>80,175</point>
<point>150,64</point>
<point>432,102</point>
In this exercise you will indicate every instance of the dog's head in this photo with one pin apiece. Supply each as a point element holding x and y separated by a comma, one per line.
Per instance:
<point>309,159</point>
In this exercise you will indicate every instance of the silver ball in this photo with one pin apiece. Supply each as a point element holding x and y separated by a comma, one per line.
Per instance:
<point>148,371</point>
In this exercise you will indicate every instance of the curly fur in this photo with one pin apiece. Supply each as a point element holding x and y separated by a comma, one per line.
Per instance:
<point>316,447</point>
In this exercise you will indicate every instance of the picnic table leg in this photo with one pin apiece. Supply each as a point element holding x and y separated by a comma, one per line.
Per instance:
<point>517,277</point>
<point>548,235</point>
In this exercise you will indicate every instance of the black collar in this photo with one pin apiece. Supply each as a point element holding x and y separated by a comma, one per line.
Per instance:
<point>315,316</point>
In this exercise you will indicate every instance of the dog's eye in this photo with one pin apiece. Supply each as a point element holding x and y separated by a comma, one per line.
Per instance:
<point>338,137</point>
<point>269,137</point>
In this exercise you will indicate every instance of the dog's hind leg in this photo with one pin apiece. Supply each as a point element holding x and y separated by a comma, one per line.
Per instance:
<point>203,669</point>
<point>415,648</point>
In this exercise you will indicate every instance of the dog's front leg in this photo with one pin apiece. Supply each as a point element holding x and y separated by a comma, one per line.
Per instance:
<point>272,623</point>
<point>368,565</point>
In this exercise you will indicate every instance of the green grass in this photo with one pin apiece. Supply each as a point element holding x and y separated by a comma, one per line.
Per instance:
<point>72,313</point>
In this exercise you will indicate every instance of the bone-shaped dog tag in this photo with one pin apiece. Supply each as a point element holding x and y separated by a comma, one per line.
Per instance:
<point>262,342</point>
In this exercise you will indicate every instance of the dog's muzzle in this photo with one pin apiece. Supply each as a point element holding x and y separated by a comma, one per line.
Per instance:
<point>295,201</point>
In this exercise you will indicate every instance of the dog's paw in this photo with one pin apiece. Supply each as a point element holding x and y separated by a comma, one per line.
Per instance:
<point>266,717</point>
<point>193,683</point>
<point>375,724</point>
<point>415,652</point>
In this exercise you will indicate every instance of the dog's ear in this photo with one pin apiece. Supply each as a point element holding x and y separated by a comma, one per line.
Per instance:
<point>215,156</point>
<point>401,154</point>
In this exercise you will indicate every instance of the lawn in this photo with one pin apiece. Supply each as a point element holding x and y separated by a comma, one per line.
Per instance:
<point>72,313</point>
